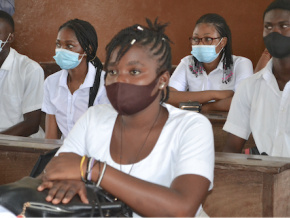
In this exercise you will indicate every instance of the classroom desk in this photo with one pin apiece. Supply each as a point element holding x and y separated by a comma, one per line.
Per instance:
<point>218,119</point>
<point>249,186</point>
<point>18,155</point>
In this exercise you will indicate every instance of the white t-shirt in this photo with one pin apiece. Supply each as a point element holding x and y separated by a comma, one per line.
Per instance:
<point>21,89</point>
<point>260,107</point>
<point>185,145</point>
<point>66,107</point>
<point>184,79</point>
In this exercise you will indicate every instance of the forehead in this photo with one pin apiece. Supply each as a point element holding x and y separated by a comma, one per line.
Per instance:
<point>66,34</point>
<point>5,26</point>
<point>277,15</point>
<point>205,29</point>
<point>136,54</point>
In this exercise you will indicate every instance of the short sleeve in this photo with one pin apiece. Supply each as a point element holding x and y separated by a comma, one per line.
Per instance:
<point>33,91</point>
<point>178,80</point>
<point>238,120</point>
<point>243,69</point>
<point>196,150</point>
<point>47,105</point>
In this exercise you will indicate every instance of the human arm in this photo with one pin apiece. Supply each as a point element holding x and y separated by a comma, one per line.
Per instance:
<point>234,144</point>
<point>27,127</point>
<point>264,59</point>
<point>175,97</point>
<point>220,105</point>
<point>51,127</point>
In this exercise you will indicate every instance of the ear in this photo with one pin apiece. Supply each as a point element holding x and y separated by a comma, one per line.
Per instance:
<point>164,80</point>
<point>11,38</point>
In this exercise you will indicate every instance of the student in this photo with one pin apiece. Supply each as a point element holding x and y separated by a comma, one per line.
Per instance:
<point>156,175</point>
<point>210,67</point>
<point>67,92</point>
<point>21,87</point>
<point>261,105</point>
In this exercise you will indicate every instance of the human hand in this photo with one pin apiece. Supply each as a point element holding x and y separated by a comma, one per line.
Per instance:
<point>63,191</point>
<point>63,167</point>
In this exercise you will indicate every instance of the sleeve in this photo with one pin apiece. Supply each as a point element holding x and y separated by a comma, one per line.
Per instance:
<point>243,69</point>
<point>238,120</point>
<point>76,140</point>
<point>47,105</point>
<point>33,91</point>
<point>196,151</point>
<point>178,79</point>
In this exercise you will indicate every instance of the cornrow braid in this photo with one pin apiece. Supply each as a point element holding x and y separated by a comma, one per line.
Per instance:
<point>88,39</point>
<point>152,37</point>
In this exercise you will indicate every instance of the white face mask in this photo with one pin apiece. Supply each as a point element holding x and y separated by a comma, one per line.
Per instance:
<point>1,42</point>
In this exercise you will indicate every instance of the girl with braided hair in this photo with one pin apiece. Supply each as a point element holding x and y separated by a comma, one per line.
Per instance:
<point>80,83</point>
<point>211,74</point>
<point>157,159</point>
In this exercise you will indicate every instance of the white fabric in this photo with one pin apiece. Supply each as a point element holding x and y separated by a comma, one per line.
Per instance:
<point>260,107</point>
<point>66,107</point>
<point>185,145</point>
<point>4,213</point>
<point>183,79</point>
<point>21,89</point>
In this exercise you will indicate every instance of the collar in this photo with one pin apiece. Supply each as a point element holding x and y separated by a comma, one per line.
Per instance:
<point>8,63</point>
<point>89,80</point>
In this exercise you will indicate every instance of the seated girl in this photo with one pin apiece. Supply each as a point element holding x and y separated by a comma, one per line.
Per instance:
<point>144,150</point>
<point>80,83</point>
<point>210,67</point>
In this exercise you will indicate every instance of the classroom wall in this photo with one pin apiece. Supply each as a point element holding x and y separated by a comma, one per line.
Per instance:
<point>37,22</point>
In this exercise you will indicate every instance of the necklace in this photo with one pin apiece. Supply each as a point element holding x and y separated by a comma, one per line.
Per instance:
<point>142,146</point>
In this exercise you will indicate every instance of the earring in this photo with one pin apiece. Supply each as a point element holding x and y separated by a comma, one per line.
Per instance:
<point>162,86</point>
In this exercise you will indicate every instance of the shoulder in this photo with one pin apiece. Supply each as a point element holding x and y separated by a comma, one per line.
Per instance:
<point>240,59</point>
<point>187,59</point>
<point>101,111</point>
<point>54,78</point>
<point>25,62</point>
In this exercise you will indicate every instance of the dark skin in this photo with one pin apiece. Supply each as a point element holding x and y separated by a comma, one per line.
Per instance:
<point>223,98</point>
<point>274,21</point>
<point>182,198</point>
<point>30,124</point>
<point>66,39</point>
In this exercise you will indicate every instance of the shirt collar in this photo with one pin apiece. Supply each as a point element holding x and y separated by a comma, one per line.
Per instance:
<point>89,80</point>
<point>8,63</point>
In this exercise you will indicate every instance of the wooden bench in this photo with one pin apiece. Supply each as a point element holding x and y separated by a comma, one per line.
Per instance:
<point>249,186</point>
<point>18,155</point>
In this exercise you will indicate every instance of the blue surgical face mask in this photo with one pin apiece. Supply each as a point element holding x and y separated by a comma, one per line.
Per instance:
<point>67,59</point>
<point>205,53</point>
<point>1,42</point>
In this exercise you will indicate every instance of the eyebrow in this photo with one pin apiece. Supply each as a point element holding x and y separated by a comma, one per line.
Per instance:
<point>134,63</point>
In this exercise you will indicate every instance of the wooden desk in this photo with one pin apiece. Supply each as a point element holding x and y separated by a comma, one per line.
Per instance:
<point>249,186</point>
<point>18,155</point>
<point>218,119</point>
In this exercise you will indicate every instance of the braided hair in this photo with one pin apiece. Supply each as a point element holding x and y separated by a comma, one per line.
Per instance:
<point>152,37</point>
<point>88,39</point>
<point>224,31</point>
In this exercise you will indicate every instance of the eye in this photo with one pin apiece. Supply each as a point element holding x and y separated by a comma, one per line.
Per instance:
<point>207,39</point>
<point>195,39</point>
<point>285,26</point>
<point>57,45</point>
<point>268,26</point>
<point>112,72</point>
<point>69,46</point>
<point>135,72</point>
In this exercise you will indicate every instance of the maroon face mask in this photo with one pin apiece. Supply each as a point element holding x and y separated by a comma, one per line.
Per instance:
<point>128,99</point>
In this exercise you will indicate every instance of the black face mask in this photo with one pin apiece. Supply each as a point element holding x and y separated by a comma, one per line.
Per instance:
<point>277,45</point>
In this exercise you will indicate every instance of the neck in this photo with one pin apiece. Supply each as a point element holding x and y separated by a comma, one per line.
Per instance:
<point>79,73</point>
<point>144,118</point>
<point>281,69</point>
<point>212,65</point>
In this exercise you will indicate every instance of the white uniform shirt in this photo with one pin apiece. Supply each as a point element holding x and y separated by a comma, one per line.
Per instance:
<point>21,89</point>
<point>66,107</point>
<point>185,145</point>
<point>183,78</point>
<point>260,107</point>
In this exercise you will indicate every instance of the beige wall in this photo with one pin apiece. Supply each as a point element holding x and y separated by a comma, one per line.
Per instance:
<point>37,22</point>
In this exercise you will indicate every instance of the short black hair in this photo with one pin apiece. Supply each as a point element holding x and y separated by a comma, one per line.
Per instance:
<point>87,37</point>
<point>8,18</point>
<point>152,37</point>
<point>278,4</point>
<point>223,29</point>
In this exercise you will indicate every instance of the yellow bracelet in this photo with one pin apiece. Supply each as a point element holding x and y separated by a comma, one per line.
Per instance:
<point>81,166</point>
